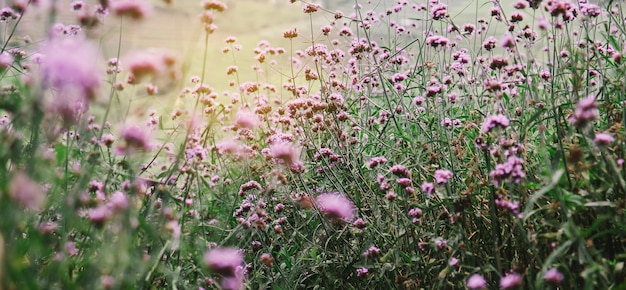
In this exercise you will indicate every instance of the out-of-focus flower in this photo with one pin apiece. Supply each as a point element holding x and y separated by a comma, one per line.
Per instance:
<point>26,192</point>
<point>510,281</point>
<point>134,9</point>
<point>603,139</point>
<point>476,282</point>
<point>135,139</point>
<point>246,119</point>
<point>336,206</point>
<point>224,261</point>
<point>586,111</point>
<point>493,121</point>
<point>442,175</point>
<point>553,276</point>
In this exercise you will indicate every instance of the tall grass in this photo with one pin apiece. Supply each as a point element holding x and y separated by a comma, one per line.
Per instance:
<point>404,148</point>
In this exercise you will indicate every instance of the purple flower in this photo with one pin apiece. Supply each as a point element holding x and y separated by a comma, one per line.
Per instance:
<point>136,139</point>
<point>553,276</point>
<point>71,66</point>
<point>372,251</point>
<point>442,175</point>
<point>510,281</point>
<point>336,206</point>
<point>493,121</point>
<point>513,168</point>
<point>476,281</point>
<point>586,111</point>
<point>224,261</point>
<point>26,192</point>
<point>362,272</point>
<point>603,139</point>
<point>428,187</point>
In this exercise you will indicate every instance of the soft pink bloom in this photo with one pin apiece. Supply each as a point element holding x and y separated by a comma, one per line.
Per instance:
<point>336,206</point>
<point>428,187</point>
<point>476,281</point>
<point>246,119</point>
<point>135,139</point>
<point>442,175</point>
<point>362,272</point>
<point>266,259</point>
<point>286,152</point>
<point>71,66</point>
<point>26,192</point>
<point>493,121</point>
<point>118,201</point>
<point>6,60</point>
<point>99,215</point>
<point>224,261</point>
<point>135,9</point>
<point>603,139</point>
<point>586,111</point>
<point>510,281</point>
<point>153,63</point>
<point>553,276</point>
<point>70,248</point>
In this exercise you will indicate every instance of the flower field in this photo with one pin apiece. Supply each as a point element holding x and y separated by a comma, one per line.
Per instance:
<point>376,144</point>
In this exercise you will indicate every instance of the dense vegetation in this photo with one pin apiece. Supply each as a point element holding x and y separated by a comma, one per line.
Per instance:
<point>403,147</point>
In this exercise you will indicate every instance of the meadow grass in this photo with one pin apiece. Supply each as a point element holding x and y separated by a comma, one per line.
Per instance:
<point>387,145</point>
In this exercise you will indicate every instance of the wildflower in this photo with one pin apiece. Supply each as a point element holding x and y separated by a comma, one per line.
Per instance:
<point>476,281</point>
<point>439,11</point>
<point>135,138</point>
<point>372,251</point>
<point>415,213</point>
<point>437,41</point>
<point>141,65</point>
<point>510,281</point>
<point>118,201</point>
<point>442,175</point>
<point>78,75</point>
<point>266,259</point>
<point>375,161</point>
<point>291,33</point>
<point>453,262</point>
<point>214,5</point>
<point>489,43</point>
<point>493,121</point>
<point>99,215</point>
<point>246,119</point>
<point>286,152</point>
<point>400,171</point>
<point>428,188</point>
<point>135,9</point>
<point>360,224</point>
<point>26,192</point>
<point>362,272</point>
<point>586,111</point>
<point>603,139</point>
<point>224,261</point>
<point>336,206</point>
<point>553,276</point>
<point>512,168</point>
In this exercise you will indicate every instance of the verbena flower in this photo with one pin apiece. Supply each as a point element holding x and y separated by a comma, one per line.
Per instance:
<point>553,276</point>
<point>510,281</point>
<point>224,261</point>
<point>476,282</point>
<point>494,121</point>
<point>603,139</point>
<point>26,192</point>
<point>134,9</point>
<point>442,175</point>
<point>586,111</point>
<point>336,206</point>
